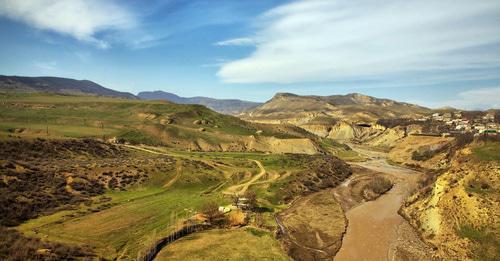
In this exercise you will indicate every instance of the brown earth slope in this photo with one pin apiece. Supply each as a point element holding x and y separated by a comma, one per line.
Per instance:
<point>339,117</point>
<point>459,213</point>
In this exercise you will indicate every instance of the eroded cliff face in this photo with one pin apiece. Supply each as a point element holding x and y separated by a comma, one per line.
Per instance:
<point>346,131</point>
<point>258,143</point>
<point>459,212</point>
<point>422,152</point>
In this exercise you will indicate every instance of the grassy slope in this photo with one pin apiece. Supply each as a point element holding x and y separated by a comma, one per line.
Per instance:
<point>140,122</point>
<point>488,152</point>
<point>135,120</point>
<point>82,116</point>
<point>142,211</point>
<point>240,244</point>
<point>119,227</point>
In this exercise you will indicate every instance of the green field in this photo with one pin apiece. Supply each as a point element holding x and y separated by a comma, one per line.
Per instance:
<point>488,152</point>
<point>119,224</point>
<point>135,121</point>
<point>85,116</point>
<point>234,244</point>
<point>132,217</point>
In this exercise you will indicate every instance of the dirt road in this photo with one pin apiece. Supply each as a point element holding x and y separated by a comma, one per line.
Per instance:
<point>375,230</point>
<point>240,189</point>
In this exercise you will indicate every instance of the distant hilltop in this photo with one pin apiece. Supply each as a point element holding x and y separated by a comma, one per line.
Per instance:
<point>296,109</point>
<point>226,106</point>
<point>58,85</point>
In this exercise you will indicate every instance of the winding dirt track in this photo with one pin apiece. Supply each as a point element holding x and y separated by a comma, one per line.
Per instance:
<point>236,188</point>
<point>374,228</point>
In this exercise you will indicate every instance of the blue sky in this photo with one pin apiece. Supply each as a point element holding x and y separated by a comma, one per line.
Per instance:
<point>434,53</point>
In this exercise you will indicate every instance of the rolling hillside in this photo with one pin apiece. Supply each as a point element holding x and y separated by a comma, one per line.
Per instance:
<point>226,106</point>
<point>340,117</point>
<point>186,127</point>
<point>57,85</point>
<point>355,107</point>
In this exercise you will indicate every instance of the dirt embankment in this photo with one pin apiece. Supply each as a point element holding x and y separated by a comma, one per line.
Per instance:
<point>458,213</point>
<point>313,226</point>
<point>409,150</point>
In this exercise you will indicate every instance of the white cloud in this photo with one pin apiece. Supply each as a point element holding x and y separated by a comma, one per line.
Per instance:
<point>81,19</point>
<point>237,42</point>
<point>326,40</point>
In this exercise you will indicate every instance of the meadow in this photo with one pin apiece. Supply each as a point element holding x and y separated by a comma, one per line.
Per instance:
<point>122,226</point>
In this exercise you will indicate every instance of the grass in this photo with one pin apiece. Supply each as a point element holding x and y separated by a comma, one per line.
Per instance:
<point>488,152</point>
<point>121,229</point>
<point>134,120</point>
<point>340,150</point>
<point>487,243</point>
<point>239,244</point>
<point>118,228</point>
<point>479,186</point>
<point>134,215</point>
<point>88,116</point>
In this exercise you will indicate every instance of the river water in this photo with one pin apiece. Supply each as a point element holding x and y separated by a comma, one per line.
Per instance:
<point>374,227</point>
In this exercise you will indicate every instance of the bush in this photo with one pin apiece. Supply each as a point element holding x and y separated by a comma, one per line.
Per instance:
<point>15,246</point>
<point>379,185</point>
<point>210,210</point>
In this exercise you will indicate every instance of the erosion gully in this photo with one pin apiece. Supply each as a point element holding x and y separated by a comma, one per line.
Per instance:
<point>375,230</point>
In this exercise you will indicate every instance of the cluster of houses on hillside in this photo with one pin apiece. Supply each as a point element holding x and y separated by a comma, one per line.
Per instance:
<point>458,124</point>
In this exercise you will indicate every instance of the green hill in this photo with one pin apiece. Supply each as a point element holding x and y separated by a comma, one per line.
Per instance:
<point>188,127</point>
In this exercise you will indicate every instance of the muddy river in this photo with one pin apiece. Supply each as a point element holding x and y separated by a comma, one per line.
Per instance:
<point>375,230</point>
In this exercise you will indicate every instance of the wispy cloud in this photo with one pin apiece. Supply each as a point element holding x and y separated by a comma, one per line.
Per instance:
<point>217,63</point>
<point>486,98</point>
<point>45,66</point>
<point>478,99</point>
<point>237,42</point>
<point>83,56</point>
<point>81,19</point>
<point>326,40</point>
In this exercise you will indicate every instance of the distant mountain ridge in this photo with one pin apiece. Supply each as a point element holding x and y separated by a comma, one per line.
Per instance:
<point>58,85</point>
<point>351,117</point>
<point>292,108</point>
<point>226,106</point>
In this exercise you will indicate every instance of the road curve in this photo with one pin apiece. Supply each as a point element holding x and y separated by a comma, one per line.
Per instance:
<point>244,186</point>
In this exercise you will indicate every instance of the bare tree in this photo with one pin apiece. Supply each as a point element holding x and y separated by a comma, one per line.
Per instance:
<point>211,211</point>
<point>251,199</point>
<point>236,200</point>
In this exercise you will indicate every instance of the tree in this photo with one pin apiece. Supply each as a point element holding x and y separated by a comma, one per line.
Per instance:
<point>235,200</point>
<point>211,211</point>
<point>251,198</point>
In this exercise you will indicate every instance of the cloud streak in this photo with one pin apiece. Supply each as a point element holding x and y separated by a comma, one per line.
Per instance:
<point>80,19</point>
<point>245,41</point>
<point>479,99</point>
<point>327,40</point>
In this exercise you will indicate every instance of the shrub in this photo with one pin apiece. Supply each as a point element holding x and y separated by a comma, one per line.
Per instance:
<point>379,185</point>
<point>15,246</point>
<point>210,210</point>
